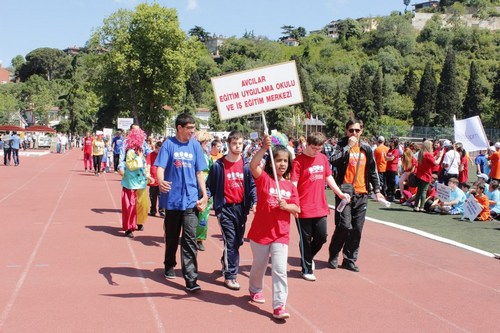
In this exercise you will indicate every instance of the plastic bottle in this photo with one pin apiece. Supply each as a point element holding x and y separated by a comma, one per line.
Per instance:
<point>341,205</point>
<point>384,202</point>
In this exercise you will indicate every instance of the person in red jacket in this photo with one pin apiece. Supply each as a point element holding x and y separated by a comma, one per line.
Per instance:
<point>87,151</point>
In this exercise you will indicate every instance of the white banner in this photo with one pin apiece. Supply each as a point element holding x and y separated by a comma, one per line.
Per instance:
<point>257,90</point>
<point>124,123</point>
<point>443,192</point>
<point>470,133</point>
<point>472,208</point>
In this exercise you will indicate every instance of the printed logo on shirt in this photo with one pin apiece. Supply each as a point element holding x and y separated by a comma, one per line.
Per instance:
<point>317,172</point>
<point>354,157</point>
<point>235,179</point>
<point>183,159</point>
<point>273,196</point>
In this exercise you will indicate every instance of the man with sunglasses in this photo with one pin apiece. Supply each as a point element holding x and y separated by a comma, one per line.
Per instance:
<point>356,169</point>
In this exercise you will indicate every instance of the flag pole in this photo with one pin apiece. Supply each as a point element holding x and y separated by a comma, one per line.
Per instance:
<point>266,131</point>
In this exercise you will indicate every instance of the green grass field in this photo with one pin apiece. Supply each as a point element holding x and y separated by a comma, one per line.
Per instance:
<point>482,235</point>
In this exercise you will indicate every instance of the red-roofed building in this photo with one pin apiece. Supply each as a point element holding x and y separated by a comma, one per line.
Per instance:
<point>4,75</point>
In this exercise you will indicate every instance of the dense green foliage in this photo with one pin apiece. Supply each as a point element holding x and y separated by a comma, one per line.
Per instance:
<point>140,60</point>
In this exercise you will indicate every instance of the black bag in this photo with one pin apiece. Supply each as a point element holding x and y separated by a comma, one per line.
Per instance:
<point>412,180</point>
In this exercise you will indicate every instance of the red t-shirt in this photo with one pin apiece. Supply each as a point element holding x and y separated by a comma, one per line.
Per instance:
<point>150,160</point>
<point>270,223</point>
<point>310,173</point>
<point>87,145</point>
<point>424,170</point>
<point>393,165</point>
<point>233,181</point>
<point>437,167</point>
<point>463,176</point>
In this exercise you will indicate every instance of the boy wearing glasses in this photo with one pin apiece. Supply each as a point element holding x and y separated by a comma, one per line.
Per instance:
<point>356,169</point>
<point>181,180</point>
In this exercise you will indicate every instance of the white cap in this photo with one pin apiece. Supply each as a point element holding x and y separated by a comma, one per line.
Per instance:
<point>497,145</point>
<point>484,176</point>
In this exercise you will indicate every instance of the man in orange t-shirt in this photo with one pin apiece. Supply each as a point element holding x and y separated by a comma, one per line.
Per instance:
<point>379,153</point>
<point>356,169</point>
<point>494,163</point>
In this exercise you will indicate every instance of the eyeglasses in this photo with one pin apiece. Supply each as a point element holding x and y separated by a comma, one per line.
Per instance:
<point>352,130</point>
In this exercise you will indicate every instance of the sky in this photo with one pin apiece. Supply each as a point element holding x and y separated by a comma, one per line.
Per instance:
<point>26,25</point>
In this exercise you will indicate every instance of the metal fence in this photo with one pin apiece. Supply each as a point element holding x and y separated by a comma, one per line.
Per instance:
<point>419,133</point>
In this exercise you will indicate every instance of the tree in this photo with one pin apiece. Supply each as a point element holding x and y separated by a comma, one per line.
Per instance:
<point>348,29</point>
<point>406,3</point>
<point>395,30</point>
<point>199,32</point>
<point>474,96</point>
<point>47,62</point>
<point>360,98</point>
<point>410,85</point>
<point>148,62</point>
<point>425,102</point>
<point>378,92</point>
<point>448,96</point>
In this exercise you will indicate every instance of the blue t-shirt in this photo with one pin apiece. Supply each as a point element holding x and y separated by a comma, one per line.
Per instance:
<point>181,162</point>
<point>495,196</point>
<point>16,141</point>
<point>459,195</point>
<point>118,142</point>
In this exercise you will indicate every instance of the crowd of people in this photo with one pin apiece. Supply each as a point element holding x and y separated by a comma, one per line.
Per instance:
<point>192,172</point>
<point>413,176</point>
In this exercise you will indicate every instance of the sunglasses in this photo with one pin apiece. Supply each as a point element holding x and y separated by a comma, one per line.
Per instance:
<point>352,130</point>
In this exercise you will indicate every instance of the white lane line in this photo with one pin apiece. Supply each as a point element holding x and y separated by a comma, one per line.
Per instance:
<point>35,177</point>
<point>433,237</point>
<point>24,274</point>
<point>159,324</point>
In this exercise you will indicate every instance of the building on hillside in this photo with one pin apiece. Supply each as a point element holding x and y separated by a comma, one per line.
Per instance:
<point>72,50</point>
<point>4,75</point>
<point>291,42</point>
<point>366,25</point>
<point>423,5</point>
<point>213,45</point>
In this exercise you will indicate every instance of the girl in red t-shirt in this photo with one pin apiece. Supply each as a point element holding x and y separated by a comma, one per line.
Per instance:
<point>270,230</point>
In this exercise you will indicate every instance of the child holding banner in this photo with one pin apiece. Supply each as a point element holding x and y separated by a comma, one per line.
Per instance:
<point>270,231</point>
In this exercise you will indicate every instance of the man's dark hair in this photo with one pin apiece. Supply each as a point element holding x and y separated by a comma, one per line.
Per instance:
<point>183,119</point>
<point>353,121</point>
<point>234,135</point>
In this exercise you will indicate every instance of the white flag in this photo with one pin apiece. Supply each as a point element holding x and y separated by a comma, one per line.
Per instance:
<point>470,133</point>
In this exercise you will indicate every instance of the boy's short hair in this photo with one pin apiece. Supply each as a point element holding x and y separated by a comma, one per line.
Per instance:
<point>158,144</point>
<point>316,139</point>
<point>453,180</point>
<point>234,135</point>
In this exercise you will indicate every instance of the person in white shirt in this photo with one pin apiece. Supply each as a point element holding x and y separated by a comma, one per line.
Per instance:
<point>450,163</point>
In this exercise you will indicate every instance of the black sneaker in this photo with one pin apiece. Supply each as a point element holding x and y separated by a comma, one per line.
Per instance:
<point>129,233</point>
<point>349,265</point>
<point>170,273</point>
<point>192,286</point>
<point>200,245</point>
<point>333,263</point>
<point>140,227</point>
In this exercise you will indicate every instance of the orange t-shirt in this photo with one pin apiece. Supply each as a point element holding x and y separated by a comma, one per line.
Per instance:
<point>495,168</point>
<point>379,154</point>
<point>485,202</point>
<point>356,155</point>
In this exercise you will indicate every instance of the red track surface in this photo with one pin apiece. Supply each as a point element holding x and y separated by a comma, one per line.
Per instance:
<point>66,267</point>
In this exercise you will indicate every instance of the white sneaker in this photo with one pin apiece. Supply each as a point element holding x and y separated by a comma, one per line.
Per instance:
<point>313,265</point>
<point>309,277</point>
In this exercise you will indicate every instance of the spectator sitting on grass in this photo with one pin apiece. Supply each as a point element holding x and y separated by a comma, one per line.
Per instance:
<point>455,204</point>
<point>484,202</point>
<point>494,197</point>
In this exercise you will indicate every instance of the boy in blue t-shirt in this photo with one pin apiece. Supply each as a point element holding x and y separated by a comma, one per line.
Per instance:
<point>180,165</point>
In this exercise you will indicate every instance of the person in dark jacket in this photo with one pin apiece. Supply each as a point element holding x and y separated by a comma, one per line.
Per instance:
<point>232,187</point>
<point>356,170</point>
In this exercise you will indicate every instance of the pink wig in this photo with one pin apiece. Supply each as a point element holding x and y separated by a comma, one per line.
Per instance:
<point>135,139</point>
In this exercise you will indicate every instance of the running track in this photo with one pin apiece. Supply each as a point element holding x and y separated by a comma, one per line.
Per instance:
<point>66,267</point>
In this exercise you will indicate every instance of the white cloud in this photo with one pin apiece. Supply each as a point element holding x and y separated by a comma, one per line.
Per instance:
<point>192,4</point>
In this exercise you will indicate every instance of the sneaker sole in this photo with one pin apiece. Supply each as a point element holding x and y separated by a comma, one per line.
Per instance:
<point>260,301</point>
<point>169,277</point>
<point>193,288</point>
<point>283,316</point>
